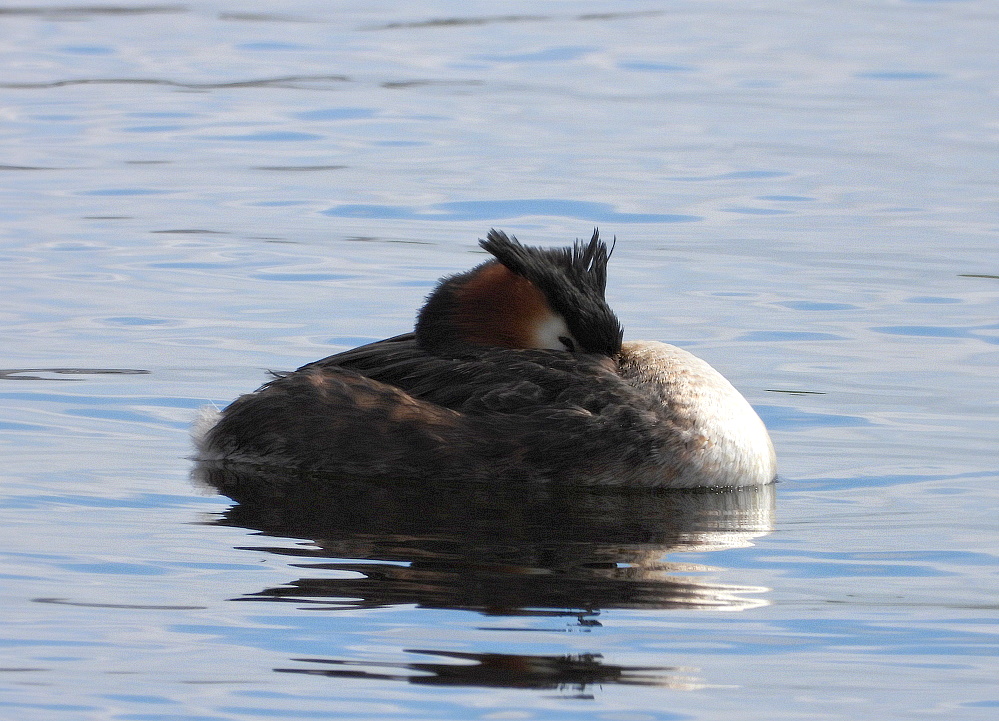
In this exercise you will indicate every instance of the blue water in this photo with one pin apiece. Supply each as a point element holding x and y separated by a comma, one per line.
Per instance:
<point>802,194</point>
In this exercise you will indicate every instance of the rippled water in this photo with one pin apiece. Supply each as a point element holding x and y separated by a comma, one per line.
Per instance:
<point>803,194</point>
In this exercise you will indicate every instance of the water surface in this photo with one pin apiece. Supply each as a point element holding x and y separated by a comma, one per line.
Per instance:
<point>196,193</point>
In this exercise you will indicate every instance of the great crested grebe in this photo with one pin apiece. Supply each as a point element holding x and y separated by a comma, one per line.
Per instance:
<point>516,370</point>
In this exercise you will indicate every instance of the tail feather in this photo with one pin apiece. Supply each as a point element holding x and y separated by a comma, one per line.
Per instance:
<point>204,421</point>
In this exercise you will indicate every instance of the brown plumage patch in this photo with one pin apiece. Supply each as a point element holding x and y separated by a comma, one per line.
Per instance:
<point>351,392</point>
<point>499,308</point>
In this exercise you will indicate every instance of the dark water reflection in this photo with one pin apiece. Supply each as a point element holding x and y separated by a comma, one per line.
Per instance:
<point>521,549</point>
<point>502,670</point>
<point>512,550</point>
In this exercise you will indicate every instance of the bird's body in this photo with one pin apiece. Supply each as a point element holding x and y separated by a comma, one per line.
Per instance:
<point>516,370</point>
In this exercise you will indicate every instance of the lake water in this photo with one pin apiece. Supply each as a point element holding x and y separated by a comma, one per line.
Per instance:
<point>802,193</point>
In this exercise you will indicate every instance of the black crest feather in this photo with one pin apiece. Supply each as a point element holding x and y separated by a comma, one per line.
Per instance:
<point>584,264</point>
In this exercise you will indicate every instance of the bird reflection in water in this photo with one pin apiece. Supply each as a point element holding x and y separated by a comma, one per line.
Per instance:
<point>521,549</point>
<point>573,673</point>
